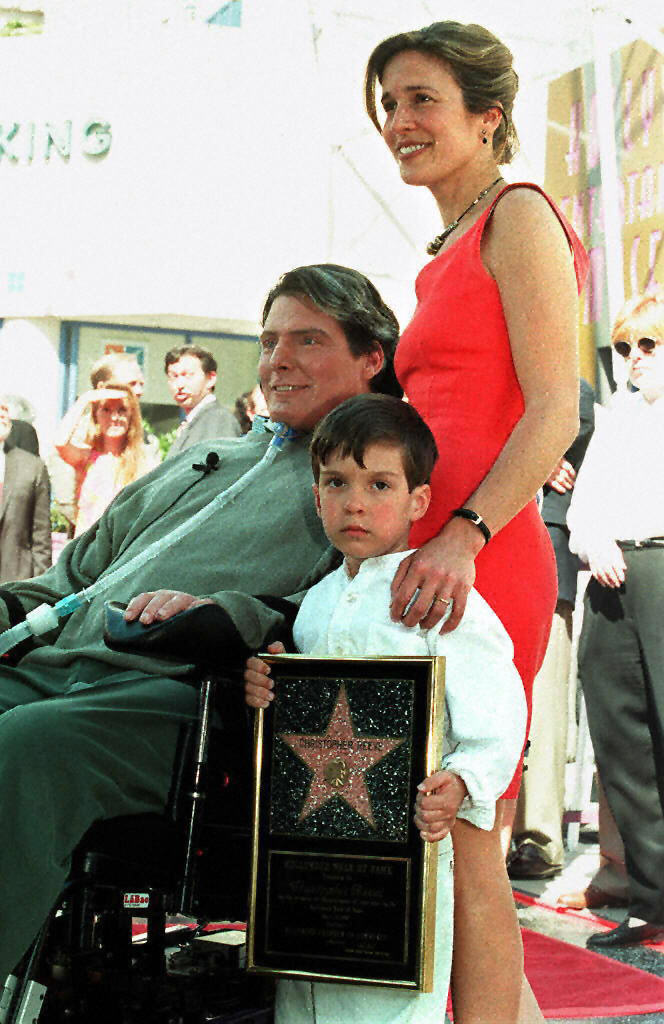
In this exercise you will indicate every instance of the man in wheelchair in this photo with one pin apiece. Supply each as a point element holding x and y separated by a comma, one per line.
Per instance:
<point>89,733</point>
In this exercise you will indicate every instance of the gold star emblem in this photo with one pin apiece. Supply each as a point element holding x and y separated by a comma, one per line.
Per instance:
<point>339,758</point>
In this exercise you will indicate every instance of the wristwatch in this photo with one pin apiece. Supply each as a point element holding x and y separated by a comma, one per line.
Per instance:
<point>476,519</point>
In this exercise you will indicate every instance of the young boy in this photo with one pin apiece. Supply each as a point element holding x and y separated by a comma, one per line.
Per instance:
<point>372,459</point>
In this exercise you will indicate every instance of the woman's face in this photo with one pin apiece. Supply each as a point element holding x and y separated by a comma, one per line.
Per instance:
<point>646,369</point>
<point>112,415</point>
<point>427,128</point>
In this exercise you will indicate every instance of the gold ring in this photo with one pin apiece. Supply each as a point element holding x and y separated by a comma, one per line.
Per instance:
<point>443,600</point>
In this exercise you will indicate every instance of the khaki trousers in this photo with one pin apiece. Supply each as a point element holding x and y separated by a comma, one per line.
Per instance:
<point>541,801</point>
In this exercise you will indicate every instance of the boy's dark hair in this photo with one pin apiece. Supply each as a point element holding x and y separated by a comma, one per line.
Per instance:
<point>205,357</point>
<point>354,302</point>
<point>376,419</point>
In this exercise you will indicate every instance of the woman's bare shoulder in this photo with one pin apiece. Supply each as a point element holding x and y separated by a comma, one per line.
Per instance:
<point>525,206</point>
<point>524,225</point>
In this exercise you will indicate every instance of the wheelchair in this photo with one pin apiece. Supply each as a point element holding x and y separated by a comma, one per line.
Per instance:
<point>176,872</point>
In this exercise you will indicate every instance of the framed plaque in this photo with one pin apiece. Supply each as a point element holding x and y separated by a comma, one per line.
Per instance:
<point>343,888</point>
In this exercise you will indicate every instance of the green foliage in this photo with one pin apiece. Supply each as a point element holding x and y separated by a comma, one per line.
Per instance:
<point>165,441</point>
<point>59,521</point>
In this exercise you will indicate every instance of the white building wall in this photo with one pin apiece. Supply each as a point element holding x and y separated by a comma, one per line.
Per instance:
<point>236,152</point>
<point>29,366</point>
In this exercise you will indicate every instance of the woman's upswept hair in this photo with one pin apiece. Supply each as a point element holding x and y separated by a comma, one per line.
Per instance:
<point>480,64</point>
<point>356,305</point>
<point>129,465</point>
<point>643,314</point>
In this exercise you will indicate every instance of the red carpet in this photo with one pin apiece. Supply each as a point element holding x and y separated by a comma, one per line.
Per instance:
<point>569,981</point>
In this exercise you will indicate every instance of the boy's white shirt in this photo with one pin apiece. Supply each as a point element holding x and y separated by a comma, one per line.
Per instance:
<point>485,718</point>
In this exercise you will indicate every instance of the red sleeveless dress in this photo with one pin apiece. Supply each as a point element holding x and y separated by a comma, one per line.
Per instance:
<point>455,365</point>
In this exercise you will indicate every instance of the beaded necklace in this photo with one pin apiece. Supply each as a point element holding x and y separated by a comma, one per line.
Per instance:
<point>434,247</point>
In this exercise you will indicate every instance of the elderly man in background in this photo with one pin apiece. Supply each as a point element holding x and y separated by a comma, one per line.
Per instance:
<point>23,434</point>
<point>120,368</point>
<point>191,372</point>
<point>616,521</point>
<point>25,508</point>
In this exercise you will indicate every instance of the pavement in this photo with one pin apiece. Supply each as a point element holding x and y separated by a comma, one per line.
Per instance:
<point>575,928</point>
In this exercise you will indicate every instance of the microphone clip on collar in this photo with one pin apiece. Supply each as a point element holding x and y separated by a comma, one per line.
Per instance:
<point>211,463</point>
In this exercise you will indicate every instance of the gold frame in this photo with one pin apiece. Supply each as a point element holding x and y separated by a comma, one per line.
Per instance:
<point>435,705</point>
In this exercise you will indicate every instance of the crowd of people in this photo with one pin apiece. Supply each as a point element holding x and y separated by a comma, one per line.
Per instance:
<point>454,553</point>
<point>102,444</point>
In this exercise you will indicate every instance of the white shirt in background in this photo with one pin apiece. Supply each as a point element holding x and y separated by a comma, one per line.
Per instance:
<point>619,492</point>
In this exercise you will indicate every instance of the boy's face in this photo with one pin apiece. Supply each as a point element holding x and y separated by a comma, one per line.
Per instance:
<point>368,512</point>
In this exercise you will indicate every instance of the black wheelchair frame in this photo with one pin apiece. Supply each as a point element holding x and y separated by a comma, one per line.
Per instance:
<point>193,862</point>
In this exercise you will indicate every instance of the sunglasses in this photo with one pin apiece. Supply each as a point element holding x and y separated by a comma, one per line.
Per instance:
<point>646,345</point>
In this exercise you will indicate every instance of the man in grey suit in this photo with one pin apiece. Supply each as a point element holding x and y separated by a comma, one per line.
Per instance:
<point>25,501</point>
<point>23,435</point>
<point>192,374</point>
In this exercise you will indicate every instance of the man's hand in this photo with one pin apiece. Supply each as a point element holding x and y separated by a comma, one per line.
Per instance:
<point>607,564</point>
<point>159,605</point>
<point>563,477</point>
<point>438,801</point>
<point>258,686</point>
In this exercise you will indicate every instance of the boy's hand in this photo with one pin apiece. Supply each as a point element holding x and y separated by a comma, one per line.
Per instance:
<point>258,687</point>
<point>438,801</point>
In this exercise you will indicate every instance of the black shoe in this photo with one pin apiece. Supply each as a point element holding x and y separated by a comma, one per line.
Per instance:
<point>626,935</point>
<point>527,862</point>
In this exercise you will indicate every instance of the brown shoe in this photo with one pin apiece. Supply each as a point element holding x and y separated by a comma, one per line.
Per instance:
<point>526,862</point>
<point>591,898</point>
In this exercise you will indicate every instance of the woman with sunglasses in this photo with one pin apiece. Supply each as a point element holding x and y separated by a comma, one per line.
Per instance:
<point>489,360</point>
<point>616,520</point>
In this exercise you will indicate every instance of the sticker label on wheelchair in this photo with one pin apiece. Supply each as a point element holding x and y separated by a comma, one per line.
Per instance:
<point>135,900</point>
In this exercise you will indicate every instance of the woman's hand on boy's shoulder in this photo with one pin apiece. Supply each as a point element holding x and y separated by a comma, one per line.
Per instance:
<point>438,575</point>
<point>258,686</point>
<point>437,804</point>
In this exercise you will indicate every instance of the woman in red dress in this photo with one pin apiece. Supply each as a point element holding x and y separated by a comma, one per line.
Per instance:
<point>490,361</point>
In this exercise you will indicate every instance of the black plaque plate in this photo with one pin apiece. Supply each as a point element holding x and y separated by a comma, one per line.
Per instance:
<point>343,887</point>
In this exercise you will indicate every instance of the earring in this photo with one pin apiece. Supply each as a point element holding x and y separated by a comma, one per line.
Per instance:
<point>484,138</point>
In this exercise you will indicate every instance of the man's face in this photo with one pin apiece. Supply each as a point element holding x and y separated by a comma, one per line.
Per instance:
<point>188,382</point>
<point>5,422</point>
<point>131,375</point>
<point>306,367</point>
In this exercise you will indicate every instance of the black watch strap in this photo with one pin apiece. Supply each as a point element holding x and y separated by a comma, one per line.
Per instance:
<point>476,519</point>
